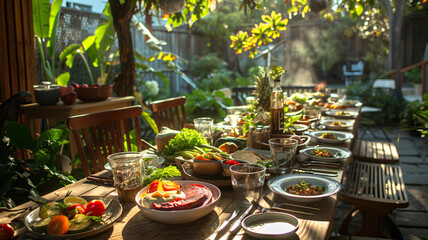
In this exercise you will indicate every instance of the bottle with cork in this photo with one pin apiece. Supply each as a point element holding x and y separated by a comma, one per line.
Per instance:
<point>277,108</point>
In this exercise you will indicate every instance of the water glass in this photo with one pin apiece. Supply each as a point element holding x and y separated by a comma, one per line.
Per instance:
<point>247,182</point>
<point>204,125</point>
<point>283,151</point>
<point>128,174</point>
<point>312,112</point>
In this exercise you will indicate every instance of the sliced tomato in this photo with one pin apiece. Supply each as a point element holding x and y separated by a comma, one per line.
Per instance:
<point>169,186</point>
<point>58,225</point>
<point>75,209</point>
<point>156,185</point>
<point>95,208</point>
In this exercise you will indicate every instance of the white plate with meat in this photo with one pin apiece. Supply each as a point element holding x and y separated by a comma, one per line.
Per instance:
<point>194,200</point>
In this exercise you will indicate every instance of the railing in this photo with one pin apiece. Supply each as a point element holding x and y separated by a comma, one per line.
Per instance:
<point>392,74</point>
<point>239,94</point>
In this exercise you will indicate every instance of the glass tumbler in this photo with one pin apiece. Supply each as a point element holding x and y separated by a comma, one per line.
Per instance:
<point>128,174</point>
<point>247,182</point>
<point>204,125</point>
<point>283,151</point>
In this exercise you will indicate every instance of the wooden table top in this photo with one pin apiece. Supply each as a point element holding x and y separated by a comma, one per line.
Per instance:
<point>132,223</point>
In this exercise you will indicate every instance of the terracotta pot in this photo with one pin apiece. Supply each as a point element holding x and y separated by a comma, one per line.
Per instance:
<point>94,93</point>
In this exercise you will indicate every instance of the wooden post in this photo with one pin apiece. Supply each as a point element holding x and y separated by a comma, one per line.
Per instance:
<point>17,58</point>
<point>424,78</point>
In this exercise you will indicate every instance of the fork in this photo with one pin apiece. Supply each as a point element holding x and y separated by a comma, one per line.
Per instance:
<point>317,164</point>
<point>278,209</point>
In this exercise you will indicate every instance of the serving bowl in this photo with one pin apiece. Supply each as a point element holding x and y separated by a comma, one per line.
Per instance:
<point>282,226</point>
<point>226,167</point>
<point>180,216</point>
<point>279,185</point>
<point>94,93</point>
<point>210,168</point>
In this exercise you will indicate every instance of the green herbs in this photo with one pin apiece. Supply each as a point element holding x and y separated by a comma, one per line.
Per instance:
<point>187,138</point>
<point>160,174</point>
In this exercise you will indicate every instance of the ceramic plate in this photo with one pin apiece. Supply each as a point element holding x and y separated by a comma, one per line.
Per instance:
<point>277,225</point>
<point>113,212</point>
<point>300,128</point>
<point>342,114</point>
<point>279,185</point>
<point>337,124</point>
<point>180,216</point>
<point>338,137</point>
<point>155,162</point>
<point>337,153</point>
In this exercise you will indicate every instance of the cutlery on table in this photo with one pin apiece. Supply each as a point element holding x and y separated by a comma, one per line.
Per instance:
<point>315,173</point>
<point>278,209</point>
<point>236,226</point>
<point>223,225</point>
<point>321,170</point>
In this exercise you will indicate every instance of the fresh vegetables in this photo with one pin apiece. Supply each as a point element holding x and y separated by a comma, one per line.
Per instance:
<point>322,153</point>
<point>186,139</point>
<point>6,232</point>
<point>160,174</point>
<point>58,225</point>
<point>80,223</point>
<point>231,162</point>
<point>75,209</point>
<point>210,156</point>
<point>95,208</point>
<point>50,210</point>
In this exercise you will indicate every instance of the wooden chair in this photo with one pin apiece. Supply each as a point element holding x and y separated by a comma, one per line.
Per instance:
<point>374,190</point>
<point>170,113</point>
<point>104,133</point>
<point>375,152</point>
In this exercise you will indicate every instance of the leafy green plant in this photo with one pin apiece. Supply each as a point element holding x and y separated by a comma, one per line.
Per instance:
<point>413,76</point>
<point>24,176</point>
<point>415,116</point>
<point>45,20</point>
<point>199,103</point>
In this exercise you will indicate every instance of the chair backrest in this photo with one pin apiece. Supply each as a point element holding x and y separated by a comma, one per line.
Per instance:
<point>357,67</point>
<point>170,113</point>
<point>104,133</point>
<point>384,83</point>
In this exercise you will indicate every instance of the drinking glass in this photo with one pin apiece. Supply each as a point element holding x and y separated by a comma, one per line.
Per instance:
<point>204,125</point>
<point>283,151</point>
<point>128,174</point>
<point>247,182</point>
<point>312,112</point>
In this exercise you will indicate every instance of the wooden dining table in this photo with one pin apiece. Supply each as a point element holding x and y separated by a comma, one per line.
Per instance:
<point>316,218</point>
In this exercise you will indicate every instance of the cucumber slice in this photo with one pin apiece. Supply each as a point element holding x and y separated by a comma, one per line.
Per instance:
<point>80,223</point>
<point>42,225</point>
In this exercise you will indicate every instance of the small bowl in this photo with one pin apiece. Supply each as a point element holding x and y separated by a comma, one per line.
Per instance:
<point>290,222</point>
<point>180,216</point>
<point>210,168</point>
<point>94,93</point>
<point>226,167</point>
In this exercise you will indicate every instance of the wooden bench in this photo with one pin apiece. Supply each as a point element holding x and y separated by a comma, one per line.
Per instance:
<point>375,152</point>
<point>375,190</point>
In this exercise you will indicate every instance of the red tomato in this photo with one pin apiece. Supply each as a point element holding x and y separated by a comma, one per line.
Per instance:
<point>95,208</point>
<point>169,186</point>
<point>231,162</point>
<point>75,209</point>
<point>58,225</point>
<point>6,231</point>
<point>155,186</point>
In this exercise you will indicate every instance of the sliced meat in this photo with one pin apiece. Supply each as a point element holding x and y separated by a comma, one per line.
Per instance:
<point>196,195</point>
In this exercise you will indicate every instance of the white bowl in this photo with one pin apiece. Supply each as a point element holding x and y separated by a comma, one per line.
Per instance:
<point>341,137</point>
<point>280,232</point>
<point>279,185</point>
<point>180,216</point>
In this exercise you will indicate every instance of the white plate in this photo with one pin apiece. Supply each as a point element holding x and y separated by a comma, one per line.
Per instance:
<point>340,136</point>
<point>156,162</point>
<point>338,153</point>
<point>279,185</point>
<point>271,217</point>
<point>342,114</point>
<point>181,216</point>
<point>113,212</point>
<point>344,124</point>
<point>300,127</point>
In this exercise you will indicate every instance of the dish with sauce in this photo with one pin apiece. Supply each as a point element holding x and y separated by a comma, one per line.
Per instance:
<point>337,124</point>
<point>334,137</point>
<point>342,114</point>
<point>306,189</point>
<point>334,154</point>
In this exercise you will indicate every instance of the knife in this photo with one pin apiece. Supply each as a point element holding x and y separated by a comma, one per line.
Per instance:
<point>319,170</point>
<point>223,225</point>
<point>315,173</point>
<point>237,224</point>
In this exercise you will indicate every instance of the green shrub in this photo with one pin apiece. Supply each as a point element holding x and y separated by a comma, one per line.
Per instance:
<point>202,104</point>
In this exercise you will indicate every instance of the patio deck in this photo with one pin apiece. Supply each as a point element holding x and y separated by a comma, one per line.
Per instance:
<point>413,151</point>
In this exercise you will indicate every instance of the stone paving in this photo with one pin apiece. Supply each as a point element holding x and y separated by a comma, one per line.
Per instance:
<point>413,151</point>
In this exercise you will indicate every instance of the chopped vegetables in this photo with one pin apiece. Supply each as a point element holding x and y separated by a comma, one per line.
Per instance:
<point>231,162</point>
<point>322,153</point>
<point>305,189</point>
<point>328,135</point>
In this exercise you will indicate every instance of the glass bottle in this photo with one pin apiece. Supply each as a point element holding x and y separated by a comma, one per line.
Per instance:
<point>277,108</point>
<point>251,136</point>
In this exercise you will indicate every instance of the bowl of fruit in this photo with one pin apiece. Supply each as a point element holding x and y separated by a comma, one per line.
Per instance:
<point>73,217</point>
<point>93,93</point>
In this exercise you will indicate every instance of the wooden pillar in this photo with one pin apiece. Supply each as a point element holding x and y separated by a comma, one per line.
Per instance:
<point>17,54</point>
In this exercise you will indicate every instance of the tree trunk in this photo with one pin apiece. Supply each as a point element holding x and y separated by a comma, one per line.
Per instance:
<point>123,84</point>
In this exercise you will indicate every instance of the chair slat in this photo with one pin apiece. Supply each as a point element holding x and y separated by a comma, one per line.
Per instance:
<point>167,113</point>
